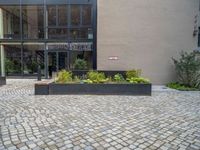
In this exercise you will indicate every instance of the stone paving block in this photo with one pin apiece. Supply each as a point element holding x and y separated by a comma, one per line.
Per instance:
<point>166,120</point>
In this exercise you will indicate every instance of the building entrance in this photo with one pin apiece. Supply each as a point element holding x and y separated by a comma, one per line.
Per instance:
<point>57,61</point>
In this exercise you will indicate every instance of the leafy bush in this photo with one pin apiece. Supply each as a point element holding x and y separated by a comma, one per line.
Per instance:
<point>96,77</point>
<point>77,79</point>
<point>80,64</point>
<point>188,69</point>
<point>138,80</point>
<point>133,73</point>
<point>119,78</point>
<point>64,76</point>
<point>9,65</point>
<point>180,87</point>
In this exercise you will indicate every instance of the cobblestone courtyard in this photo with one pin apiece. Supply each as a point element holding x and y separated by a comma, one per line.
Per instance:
<point>167,120</point>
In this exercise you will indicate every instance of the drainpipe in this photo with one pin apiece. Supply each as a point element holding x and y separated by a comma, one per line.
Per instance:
<point>1,46</point>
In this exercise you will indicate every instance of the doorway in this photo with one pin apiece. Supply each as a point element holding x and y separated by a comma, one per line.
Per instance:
<point>57,61</point>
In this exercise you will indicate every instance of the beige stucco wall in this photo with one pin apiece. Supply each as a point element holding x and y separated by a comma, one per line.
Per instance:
<point>145,34</point>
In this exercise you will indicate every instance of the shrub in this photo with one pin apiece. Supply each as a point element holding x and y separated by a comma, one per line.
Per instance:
<point>133,73</point>
<point>96,77</point>
<point>64,76</point>
<point>188,69</point>
<point>9,65</point>
<point>119,78</point>
<point>77,79</point>
<point>138,80</point>
<point>80,64</point>
<point>180,87</point>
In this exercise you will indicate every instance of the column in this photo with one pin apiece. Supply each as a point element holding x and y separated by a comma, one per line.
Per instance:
<point>2,54</point>
<point>2,61</point>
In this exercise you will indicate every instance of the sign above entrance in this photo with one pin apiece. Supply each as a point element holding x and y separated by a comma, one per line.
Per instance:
<point>83,46</point>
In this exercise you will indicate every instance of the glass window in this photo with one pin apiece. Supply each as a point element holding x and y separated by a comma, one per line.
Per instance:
<point>13,59</point>
<point>57,33</point>
<point>87,15</point>
<point>75,14</point>
<point>33,22</point>
<point>11,21</point>
<point>33,56</point>
<point>51,15</point>
<point>83,33</point>
<point>62,15</point>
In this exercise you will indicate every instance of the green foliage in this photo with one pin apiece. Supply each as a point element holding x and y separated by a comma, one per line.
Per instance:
<point>64,76</point>
<point>88,81</point>
<point>138,80</point>
<point>180,87</point>
<point>188,69</point>
<point>119,78</point>
<point>9,65</point>
<point>133,73</point>
<point>33,66</point>
<point>96,77</point>
<point>80,64</point>
<point>76,79</point>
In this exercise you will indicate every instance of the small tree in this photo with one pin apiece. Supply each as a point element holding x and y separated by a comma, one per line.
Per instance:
<point>188,69</point>
<point>80,64</point>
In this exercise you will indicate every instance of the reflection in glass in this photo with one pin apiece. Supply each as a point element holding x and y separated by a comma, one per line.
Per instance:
<point>57,33</point>
<point>75,14</point>
<point>62,15</point>
<point>13,59</point>
<point>33,56</point>
<point>87,15</point>
<point>33,22</point>
<point>51,15</point>
<point>82,33</point>
<point>11,21</point>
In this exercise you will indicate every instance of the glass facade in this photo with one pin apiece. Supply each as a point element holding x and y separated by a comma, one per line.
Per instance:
<point>50,34</point>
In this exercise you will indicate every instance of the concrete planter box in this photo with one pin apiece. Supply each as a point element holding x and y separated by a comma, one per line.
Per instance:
<point>2,81</point>
<point>94,89</point>
<point>41,89</point>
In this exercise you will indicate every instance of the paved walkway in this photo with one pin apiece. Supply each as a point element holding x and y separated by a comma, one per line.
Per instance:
<point>167,120</point>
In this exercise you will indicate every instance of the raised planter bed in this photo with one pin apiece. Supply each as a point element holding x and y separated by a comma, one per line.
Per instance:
<point>2,81</point>
<point>42,88</point>
<point>93,89</point>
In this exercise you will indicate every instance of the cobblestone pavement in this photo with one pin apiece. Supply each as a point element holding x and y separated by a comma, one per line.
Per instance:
<point>167,120</point>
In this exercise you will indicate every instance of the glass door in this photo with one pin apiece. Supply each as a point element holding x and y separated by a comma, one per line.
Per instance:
<point>63,61</point>
<point>57,61</point>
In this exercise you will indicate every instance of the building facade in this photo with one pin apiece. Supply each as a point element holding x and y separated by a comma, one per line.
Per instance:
<point>49,33</point>
<point>107,34</point>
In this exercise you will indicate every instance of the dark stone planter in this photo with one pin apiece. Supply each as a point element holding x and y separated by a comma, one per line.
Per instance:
<point>2,81</point>
<point>93,89</point>
<point>41,89</point>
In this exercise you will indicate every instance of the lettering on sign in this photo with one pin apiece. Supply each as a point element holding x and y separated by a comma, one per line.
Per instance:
<point>72,46</point>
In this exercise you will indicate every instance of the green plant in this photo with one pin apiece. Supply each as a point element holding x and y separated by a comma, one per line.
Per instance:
<point>64,76</point>
<point>119,78</point>
<point>80,64</point>
<point>133,73</point>
<point>88,81</point>
<point>76,79</point>
<point>96,77</point>
<point>9,65</point>
<point>188,69</point>
<point>180,87</point>
<point>138,80</point>
<point>33,66</point>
